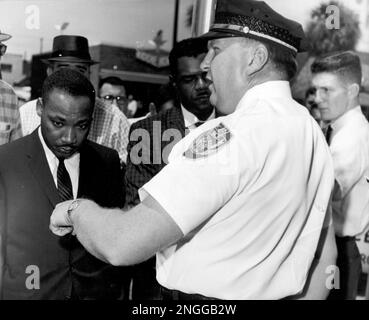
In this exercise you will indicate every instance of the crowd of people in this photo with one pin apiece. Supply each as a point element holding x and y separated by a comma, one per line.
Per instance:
<point>229,190</point>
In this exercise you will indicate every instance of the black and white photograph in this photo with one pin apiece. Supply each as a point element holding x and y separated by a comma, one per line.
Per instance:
<point>184,156</point>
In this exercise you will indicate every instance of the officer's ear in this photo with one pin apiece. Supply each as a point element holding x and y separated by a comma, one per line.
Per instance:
<point>39,106</point>
<point>259,56</point>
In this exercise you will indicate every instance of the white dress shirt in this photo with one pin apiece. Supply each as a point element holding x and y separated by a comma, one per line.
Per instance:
<point>71,164</point>
<point>350,152</point>
<point>252,210</point>
<point>190,119</point>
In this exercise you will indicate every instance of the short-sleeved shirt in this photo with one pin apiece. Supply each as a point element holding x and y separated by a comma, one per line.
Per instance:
<point>350,152</point>
<point>10,123</point>
<point>250,192</point>
<point>109,126</point>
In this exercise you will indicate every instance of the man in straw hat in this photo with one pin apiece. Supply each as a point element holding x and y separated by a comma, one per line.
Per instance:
<point>10,124</point>
<point>238,212</point>
<point>109,126</point>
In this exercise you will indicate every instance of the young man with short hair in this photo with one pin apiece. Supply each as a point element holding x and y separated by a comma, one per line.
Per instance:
<point>337,82</point>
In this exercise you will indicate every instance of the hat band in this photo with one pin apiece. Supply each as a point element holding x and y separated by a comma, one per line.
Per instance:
<point>70,53</point>
<point>246,30</point>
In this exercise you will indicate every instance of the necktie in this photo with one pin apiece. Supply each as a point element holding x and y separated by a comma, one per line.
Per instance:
<point>198,123</point>
<point>66,193</point>
<point>64,183</point>
<point>328,134</point>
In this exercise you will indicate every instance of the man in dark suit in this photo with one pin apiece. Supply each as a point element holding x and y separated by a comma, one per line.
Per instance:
<point>53,164</point>
<point>152,139</point>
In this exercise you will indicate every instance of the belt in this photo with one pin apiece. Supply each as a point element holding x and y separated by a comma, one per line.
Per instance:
<point>168,294</point>
<point>345,239</point>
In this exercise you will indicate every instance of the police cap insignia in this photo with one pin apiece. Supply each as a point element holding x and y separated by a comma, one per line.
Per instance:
<point>209,142</point>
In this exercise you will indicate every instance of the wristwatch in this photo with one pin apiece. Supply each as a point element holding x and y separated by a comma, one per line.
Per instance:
<point>73,206</point>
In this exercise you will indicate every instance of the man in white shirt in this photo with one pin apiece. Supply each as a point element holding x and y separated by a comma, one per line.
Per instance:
<point>241,207</point>
<point>337,80</point>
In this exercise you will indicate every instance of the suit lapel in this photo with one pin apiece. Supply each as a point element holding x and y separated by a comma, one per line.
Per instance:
<point>176,120</point>
<point>40,168</point>
<point>86,172</point>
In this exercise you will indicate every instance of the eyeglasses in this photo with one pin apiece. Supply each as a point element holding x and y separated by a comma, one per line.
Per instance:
<point>118,99</point>
<point>2,49</point>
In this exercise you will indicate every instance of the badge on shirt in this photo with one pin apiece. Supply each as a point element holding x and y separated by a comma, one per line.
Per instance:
<point>209,142</point>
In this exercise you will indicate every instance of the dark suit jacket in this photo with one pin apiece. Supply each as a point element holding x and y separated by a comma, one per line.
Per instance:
<point>27,198</point>
<point>151,149</point>
<point>148,147</point>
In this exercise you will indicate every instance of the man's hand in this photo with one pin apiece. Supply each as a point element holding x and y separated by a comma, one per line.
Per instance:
<point>60,223</point>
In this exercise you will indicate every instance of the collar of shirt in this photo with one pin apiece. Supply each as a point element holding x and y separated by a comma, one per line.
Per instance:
<point>345,118</point>
<point>190,119</point>
<point>269,89</point>
<point>71,164</point>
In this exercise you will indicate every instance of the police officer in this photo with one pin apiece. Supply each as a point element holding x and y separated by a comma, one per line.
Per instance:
<point>239,211</point>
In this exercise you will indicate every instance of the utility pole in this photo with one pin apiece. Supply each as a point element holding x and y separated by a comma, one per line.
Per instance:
<point>175,27</point>
<point>41,44</point>
<point>202,16</point>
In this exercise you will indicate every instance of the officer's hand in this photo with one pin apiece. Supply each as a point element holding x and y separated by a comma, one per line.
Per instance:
<point>60,223</point>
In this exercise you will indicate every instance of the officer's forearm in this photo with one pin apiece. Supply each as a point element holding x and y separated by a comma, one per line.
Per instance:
<point>124,238</point>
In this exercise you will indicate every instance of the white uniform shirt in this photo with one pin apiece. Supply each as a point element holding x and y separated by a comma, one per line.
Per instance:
<point>350,151</point>
<point>71,164</point>
<point>242,208</point>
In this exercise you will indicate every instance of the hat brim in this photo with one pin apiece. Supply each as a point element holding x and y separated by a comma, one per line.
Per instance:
<point>69,59</point>
<point>218,34</point>
<point>4,36</point>
<point>211,35</point>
